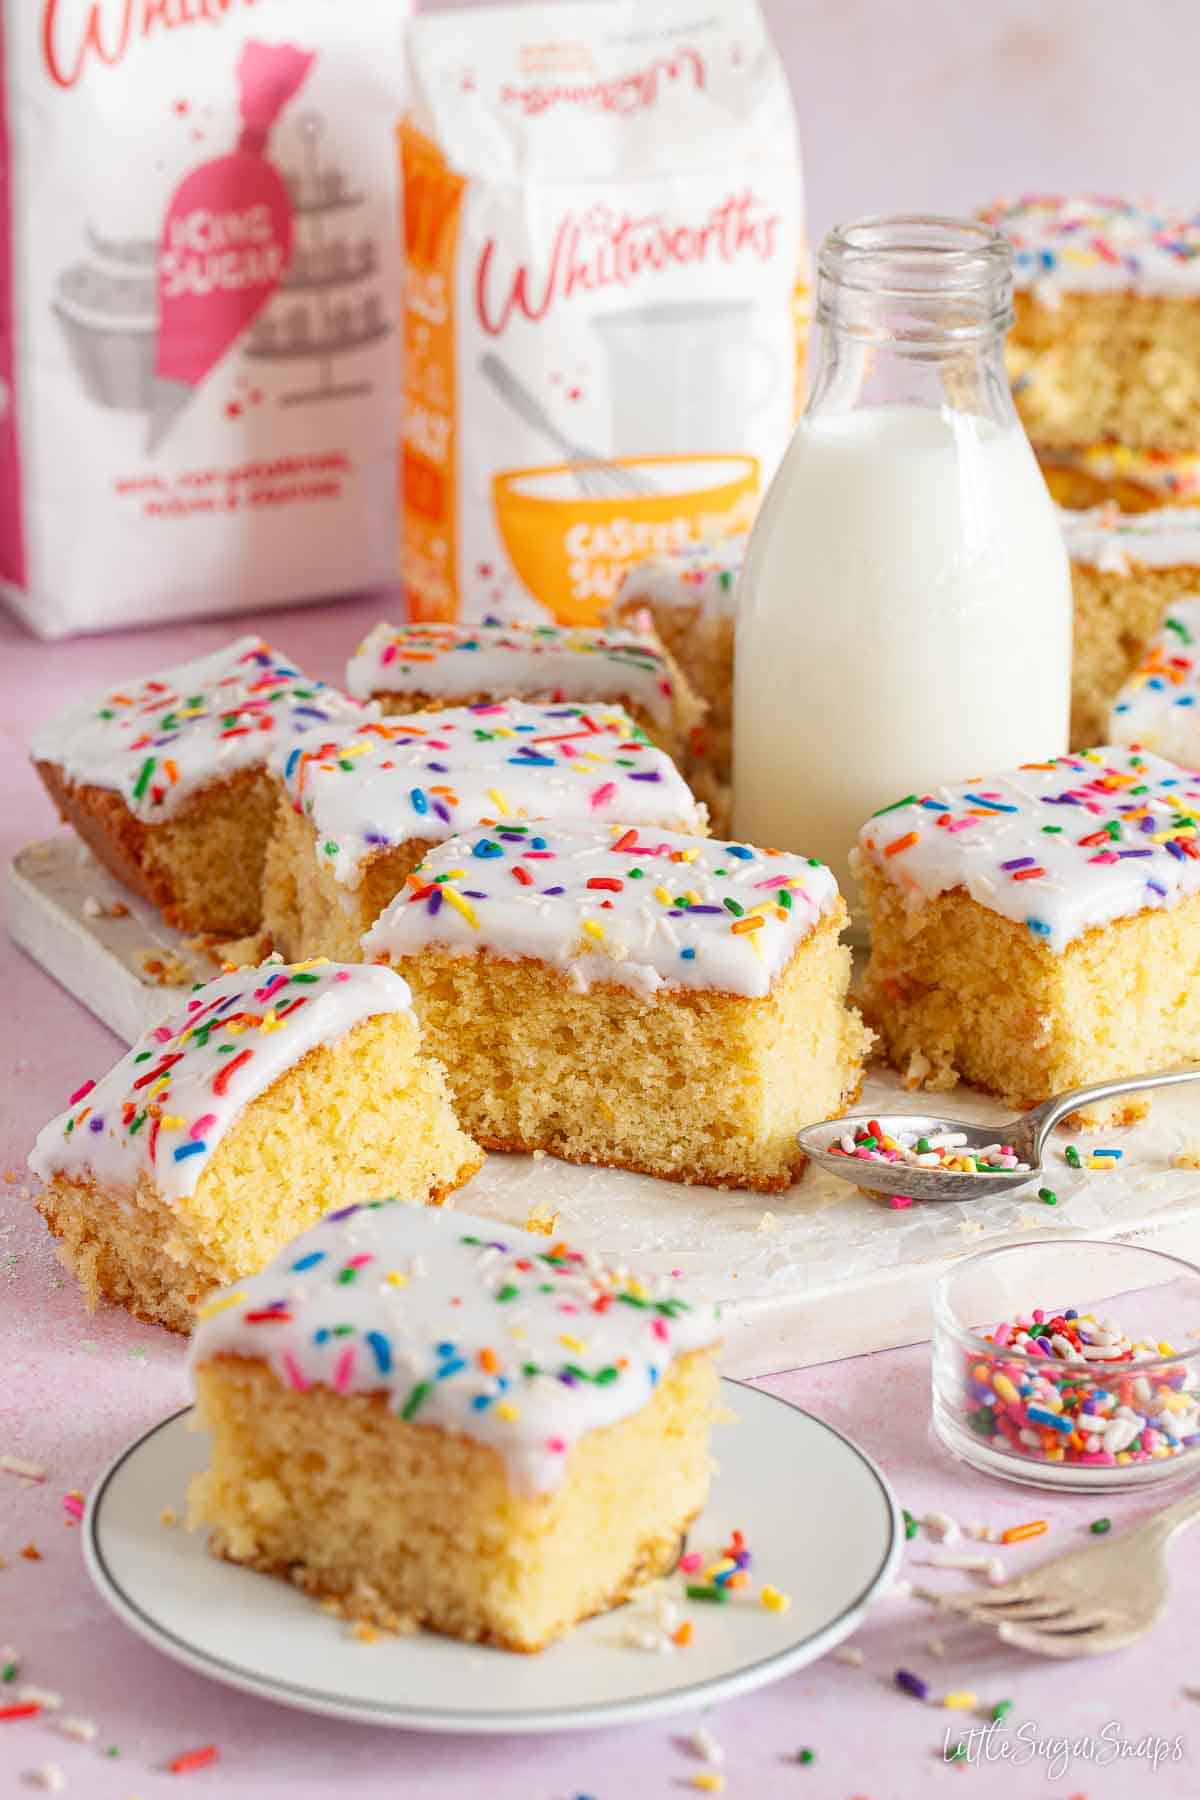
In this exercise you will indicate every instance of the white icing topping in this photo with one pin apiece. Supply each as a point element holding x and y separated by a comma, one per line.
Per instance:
<point>1159,706</point>
<point>1064,244</point>
<point>164,1108</point>
<point>429,775</point>
<point>500,1335</point>
<point>499,660</point>
<point>1104,538</point>
<point>647,909</point>
<point>158,739</point>
<point>703,575</point>
<point>1059,846</point>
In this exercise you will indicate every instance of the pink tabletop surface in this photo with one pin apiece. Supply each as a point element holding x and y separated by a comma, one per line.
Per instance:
<point>74,1389</point>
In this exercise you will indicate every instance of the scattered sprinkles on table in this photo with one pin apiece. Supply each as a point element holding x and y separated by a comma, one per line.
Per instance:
<point>513,659</point>
<point>1159,706</point>
<point>477,1328</point>
<point>1097,241</point>
<point>164,1107</point>
<point>367,788</point>
<point>623,903</point>
<point>1067,1387</point>
<point>159,739</point>
<point>1059,846</point>
<point>946,1150</point>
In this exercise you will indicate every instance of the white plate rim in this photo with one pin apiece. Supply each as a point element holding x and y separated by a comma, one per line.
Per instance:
<point>690,1696</point>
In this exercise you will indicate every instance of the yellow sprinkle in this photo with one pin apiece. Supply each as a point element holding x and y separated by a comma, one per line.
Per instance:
<point>1005,1388</point>
<point>218,1306</point>
<point>962,1700</point>
<point>269,1021</point>
<point>1163,1349</point>
<point>460,906</point>
<point>774,1601</point>
<point>709,1782</point>
<point>235,1028</point>
<point>592,928</point>
<point>661,894</point>
<point>720,1568</point>
<point>499,802</point>
<point>635,1287</point>
<point>395,1279</point>
<point>570,1343</point>
<point>173,1122</point>
<point>503,731</point>
<point>314,962</point>
<point>359,749</point>
<point>507,1411</point>
<point>692,897</point>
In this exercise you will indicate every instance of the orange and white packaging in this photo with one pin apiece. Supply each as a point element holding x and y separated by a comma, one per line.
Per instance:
<point>604,296</point>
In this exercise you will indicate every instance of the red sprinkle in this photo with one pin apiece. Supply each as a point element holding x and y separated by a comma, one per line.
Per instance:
<point>522,875</point>
<point>222,1079</point>
<point>611,884</point>
<point>80,1092</point>
<point>267,1318</point>
<point>28,1710</point>
<point>194,1759</point>
<point>1027,874</point>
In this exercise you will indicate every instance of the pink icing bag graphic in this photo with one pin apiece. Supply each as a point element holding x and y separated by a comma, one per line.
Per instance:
<point>226,239</point>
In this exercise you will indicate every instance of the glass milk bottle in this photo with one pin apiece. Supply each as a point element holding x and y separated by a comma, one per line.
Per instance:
<point>905,605</point>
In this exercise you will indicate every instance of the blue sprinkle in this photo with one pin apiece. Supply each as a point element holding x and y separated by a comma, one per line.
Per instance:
<point>186,1150</point>
<point>308,1262</point>
<point>688,955</point>
<point>453,1367</point>
<point>739,850</point>
<point>480,1402</point>
<point>538,843</point>
<point>485,847</point>
<point>445,1349</point>
<point>290,764</point>
<point>382,1349</point>
<point>420,803</point>
<point>528,760</point>
<point>321,1336</point>
<point>1038,927</point>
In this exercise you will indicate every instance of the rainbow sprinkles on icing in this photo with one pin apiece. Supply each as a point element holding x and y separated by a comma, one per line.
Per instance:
<point>1059,846</point>
<point>1159,706</point>
<point>505,659</point>
<point>481,1329</point>
<point>157,740</point>
<point>699,575</point>
<point>1068,243</point>
<point>164,1107</point>
<point>632,905</point>
<point>428,775</point>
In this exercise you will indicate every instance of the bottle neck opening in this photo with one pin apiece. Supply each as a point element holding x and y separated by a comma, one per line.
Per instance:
<point>917,280</point>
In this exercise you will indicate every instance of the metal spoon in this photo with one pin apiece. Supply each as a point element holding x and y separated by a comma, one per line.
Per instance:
<point>1027,1136</point>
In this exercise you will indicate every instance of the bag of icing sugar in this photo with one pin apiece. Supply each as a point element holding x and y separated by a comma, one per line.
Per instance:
<point>198,305</point>
<point>604,297</point>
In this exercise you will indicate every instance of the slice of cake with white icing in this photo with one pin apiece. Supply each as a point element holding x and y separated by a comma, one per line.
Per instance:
<point>1159,706</point>
<point>166,779</point>
<point>632,997</point>
<point>361,805</point>
<point>272,1095</point>
<point>430,1419</point>
<point>1127,570</point>
<point>688,599</point>
<point>1040,929</point>
<point>419,668</point>
<point>1104,354</point>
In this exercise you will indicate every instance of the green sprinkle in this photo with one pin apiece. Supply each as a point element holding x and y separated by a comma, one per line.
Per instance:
<point>910,1524</point>
<point>805,1757</point>
<point>814,862</point>
<point>605,1377</point>
<point>784,898</point>
<point>305,976</point>
<point>1072,1156</point>
<point>107,712</point>
<point>508,1292</point>
<point>112,1751</point>
<point>137,1124</point>
<point>634,874</point>
<point>144,774</point>
<point>632,1300</point>
<point>923,1146</point>
<point>1099,1526</point>
<point>329,847</point>
<point>868,1143</point>
<point>699,1590</point>
<point>529,1370</point>
<point>143,1056</point>
<point>894,807</point>
<point>1001,1710</point>
<point>9,1672</point>
<point>957,1754</point>
<point>983,1421</point>
<point>346,1276</point>
<point>733,906</point>
<point>347,763</point>
<point>1052,830</point>
<point>1048,1197</point>
<point>415,1400</point>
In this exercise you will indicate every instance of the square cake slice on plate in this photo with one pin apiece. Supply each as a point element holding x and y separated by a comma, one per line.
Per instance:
<point>166,779</point>
<point>632,997</point>
<point>273,1095</point>
<point>419,668</point>
<point>1038,930</point>
<point>360,807</point>
<point>429,1419</point>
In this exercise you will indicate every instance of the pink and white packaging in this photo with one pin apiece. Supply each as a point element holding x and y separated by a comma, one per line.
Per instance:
<point>198,305</point>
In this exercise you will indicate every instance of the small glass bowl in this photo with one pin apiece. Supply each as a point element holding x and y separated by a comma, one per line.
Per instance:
<point>982,1391</point>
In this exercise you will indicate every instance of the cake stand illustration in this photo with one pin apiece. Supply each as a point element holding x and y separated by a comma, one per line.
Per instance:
<point>107,307</point>
<point>328,303</point>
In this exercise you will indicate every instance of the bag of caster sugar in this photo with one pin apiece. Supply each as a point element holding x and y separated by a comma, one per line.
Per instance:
<point>198,305</point>
<point>604,303</point>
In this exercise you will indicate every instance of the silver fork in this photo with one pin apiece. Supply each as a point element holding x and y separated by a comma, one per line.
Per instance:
<point>1089,1601</point>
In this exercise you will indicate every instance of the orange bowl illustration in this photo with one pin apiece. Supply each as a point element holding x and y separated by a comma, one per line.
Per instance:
<point>572,532</point>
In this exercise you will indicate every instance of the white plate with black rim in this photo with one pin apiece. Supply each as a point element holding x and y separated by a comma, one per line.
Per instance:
<point>819,1519</point>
